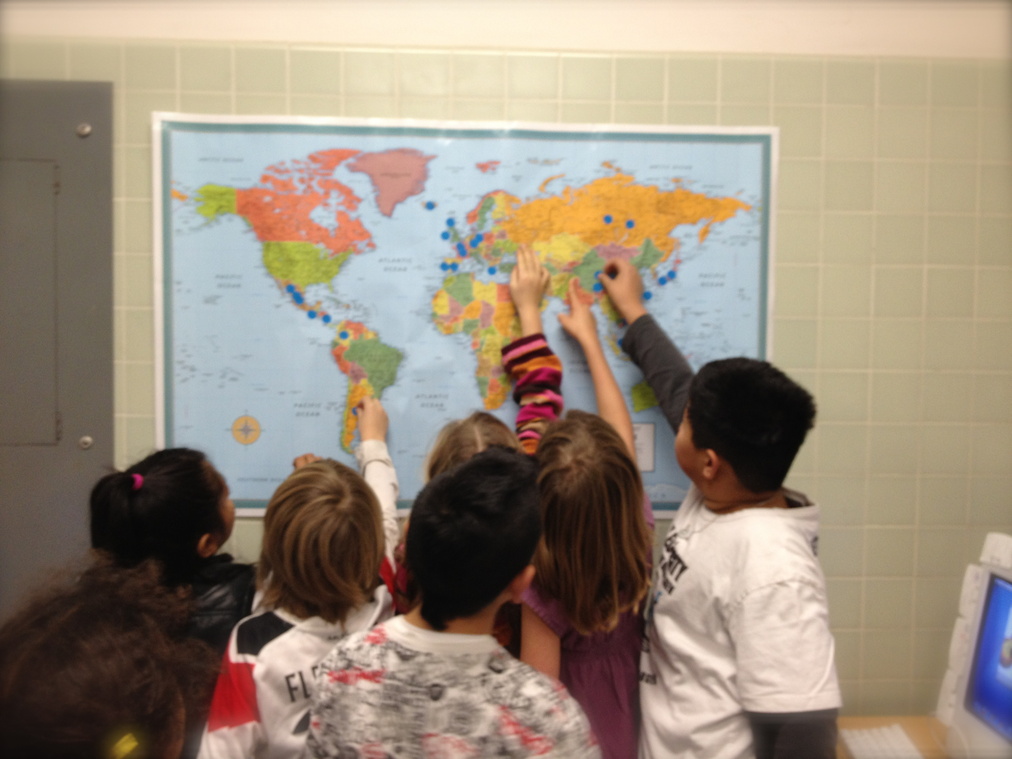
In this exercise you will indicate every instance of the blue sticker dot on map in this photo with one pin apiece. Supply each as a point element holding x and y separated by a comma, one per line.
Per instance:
<point>476,240</point>
<point>492,270</point>
<point>298,298</point>
<point>343,334</point>
<point>451,222</point>
<point>630,224</point>
<point>672,274</point>
<point>607,218</point>
<point>647,295</point>
<point>445,235</point>
<point>461,249</point>
<point>444,266</point>
<point>663,280</point>
<point>429,205</point>
<point>311,314</point>
<point>290,288</point>
<point>598,287</point>
<point>453,266</point>
<point>326,319</point>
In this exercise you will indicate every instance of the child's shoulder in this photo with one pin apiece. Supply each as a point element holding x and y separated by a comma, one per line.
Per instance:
<point>256,631</point>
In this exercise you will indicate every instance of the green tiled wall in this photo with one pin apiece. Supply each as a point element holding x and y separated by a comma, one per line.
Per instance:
<point>893,272</point>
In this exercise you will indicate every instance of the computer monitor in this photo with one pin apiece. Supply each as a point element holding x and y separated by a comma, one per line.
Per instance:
<point>981,725</point>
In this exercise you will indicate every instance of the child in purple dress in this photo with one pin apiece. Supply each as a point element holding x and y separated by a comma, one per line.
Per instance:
<point>581,618</point>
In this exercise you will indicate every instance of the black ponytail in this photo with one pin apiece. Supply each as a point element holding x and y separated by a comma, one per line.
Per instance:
<point>158,508</point>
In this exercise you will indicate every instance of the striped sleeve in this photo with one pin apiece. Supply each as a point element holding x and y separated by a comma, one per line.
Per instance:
<point>537,375</point>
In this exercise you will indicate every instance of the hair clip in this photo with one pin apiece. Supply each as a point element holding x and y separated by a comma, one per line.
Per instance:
<point>138,481</point>
<point>125,745</point>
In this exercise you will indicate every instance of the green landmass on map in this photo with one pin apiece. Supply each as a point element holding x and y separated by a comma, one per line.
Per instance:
<point>214,200</point>
<point>642,396</point>
<point>301,263</point>
<point>379,361</point>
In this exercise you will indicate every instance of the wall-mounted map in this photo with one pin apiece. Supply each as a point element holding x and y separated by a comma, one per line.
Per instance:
<point>306,263</point>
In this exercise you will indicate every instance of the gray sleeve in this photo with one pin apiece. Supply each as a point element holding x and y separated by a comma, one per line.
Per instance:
<point>663,365</point>
<point>802,735</point>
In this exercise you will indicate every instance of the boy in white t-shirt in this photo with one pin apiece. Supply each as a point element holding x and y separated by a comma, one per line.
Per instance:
<point>738,657</point>
<point>435,682</point>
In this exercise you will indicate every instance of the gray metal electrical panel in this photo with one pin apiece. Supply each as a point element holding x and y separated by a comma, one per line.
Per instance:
<point>56,326</point>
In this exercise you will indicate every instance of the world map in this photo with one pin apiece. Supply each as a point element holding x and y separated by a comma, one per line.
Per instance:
<point>308,264</point>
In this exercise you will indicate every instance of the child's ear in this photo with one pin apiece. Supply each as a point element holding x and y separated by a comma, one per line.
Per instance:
<point>712,464</point>
<point>208,545</point>
<point>520,584</point>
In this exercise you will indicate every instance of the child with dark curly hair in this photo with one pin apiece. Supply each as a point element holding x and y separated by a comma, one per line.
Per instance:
<point>98,665</point>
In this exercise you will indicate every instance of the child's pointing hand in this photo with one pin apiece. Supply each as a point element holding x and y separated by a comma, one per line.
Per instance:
<point>579,323</point>
<point>528,282</point>
<point>372,419</point>
<point>624,286</point>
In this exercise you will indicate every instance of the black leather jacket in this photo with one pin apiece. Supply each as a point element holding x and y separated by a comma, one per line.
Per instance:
<point>223,594</point>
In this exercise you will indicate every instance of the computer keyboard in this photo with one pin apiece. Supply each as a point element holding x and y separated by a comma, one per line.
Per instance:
<point>879,743</point>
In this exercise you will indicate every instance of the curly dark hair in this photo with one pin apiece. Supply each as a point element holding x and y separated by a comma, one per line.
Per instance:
<point>96,664</point>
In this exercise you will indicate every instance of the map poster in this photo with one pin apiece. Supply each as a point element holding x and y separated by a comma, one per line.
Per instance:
<point>303,264</point>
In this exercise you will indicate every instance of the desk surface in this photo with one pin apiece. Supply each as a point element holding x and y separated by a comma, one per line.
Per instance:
<point>927,733</point>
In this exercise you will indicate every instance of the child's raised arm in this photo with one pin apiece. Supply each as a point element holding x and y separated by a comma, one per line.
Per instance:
<point>663,365</point>
<point>378,468</point>
<point>580,324</point>
<point>529,361</point>
<point>528,282</point>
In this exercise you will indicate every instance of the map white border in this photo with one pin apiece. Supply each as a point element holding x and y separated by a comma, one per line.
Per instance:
<point>158,118</point>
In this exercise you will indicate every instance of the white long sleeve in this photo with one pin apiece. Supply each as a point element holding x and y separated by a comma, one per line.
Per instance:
<point>377,468</point>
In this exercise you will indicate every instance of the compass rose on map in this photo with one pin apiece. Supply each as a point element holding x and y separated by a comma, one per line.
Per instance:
<point>246,430</point>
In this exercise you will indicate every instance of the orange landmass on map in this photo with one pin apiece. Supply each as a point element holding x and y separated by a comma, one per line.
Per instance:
<point>280,211</point>
<point>578,212</point>
<point>544,185</point>
<point>281,217</point>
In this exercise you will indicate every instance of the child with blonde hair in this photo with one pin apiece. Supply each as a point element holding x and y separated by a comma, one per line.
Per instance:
<point>327,531</point>
<point>461,439</point>
<point>581,618</point>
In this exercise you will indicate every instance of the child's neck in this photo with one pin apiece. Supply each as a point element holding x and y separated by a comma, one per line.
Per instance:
<point>732,501</point>
<point>482,623</point>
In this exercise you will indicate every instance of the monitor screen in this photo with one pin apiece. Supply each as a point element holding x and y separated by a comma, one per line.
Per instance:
<point>989,688</point>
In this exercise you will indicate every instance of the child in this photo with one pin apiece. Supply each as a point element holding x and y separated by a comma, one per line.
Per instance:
<point>174,506</point>
<point>738,657</point>
<point>434,682</point>
<point>325,536</point>
<point>580,619</point>
<point>459,440</point>
<point>456,442</point>
<point>98,665</point>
